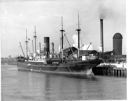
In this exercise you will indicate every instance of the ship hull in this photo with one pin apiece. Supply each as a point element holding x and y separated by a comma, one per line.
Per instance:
<point>77,69</point>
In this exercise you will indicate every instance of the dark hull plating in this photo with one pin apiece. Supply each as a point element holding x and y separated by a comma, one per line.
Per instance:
<point>78,68</point>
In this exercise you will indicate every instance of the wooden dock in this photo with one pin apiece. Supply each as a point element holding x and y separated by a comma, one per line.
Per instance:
<point>110,71</point>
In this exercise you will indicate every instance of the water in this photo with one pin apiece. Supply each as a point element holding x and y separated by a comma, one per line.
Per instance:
<point>30,86</point>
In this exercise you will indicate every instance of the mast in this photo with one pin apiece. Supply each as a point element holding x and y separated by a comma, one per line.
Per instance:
<point>35,38</point>
<point>40,48</point>
<point>62,31</point>
<point>78,31</point>
<point>26,45</point>
<point>22,49</point>
<point>32,47</point>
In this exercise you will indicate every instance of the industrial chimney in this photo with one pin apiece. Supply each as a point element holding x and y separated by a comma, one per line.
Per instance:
<point>52,48</point>
<point>117,44</point>
<point>101,34</point>
<point>46,46</point>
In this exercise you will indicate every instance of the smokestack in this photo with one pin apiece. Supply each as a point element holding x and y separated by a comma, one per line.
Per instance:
<point>46,46</point>
<point>101,34</point>
<point>52,48</point>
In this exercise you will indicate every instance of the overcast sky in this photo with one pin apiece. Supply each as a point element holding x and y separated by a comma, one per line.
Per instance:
<point>17,15</point>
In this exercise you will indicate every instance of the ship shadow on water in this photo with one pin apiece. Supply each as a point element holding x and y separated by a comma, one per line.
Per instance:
<point>63,89</point>
<point>75,88</point>
<point>87,77</point>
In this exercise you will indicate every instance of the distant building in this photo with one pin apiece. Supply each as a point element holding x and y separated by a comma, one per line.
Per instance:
<point>117,44</point>
<point>110,57</point>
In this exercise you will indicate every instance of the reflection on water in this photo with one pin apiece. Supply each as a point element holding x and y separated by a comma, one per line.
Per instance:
<point>30,86</point>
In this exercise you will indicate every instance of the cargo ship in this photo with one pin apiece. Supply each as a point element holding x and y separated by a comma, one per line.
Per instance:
<point>70,61</point>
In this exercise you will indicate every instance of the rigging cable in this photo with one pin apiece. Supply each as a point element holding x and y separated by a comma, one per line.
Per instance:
<point>68,43</point>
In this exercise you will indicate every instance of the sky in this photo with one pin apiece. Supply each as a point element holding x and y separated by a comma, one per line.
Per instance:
<point>18,15</point>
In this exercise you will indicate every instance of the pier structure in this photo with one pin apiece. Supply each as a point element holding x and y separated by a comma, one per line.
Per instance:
<point>110,70</point>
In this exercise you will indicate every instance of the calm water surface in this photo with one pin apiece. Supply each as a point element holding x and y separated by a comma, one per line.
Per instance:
<point>30,86</point>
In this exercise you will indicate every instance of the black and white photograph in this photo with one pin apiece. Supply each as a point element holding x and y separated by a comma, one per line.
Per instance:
<point>63,50</point>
